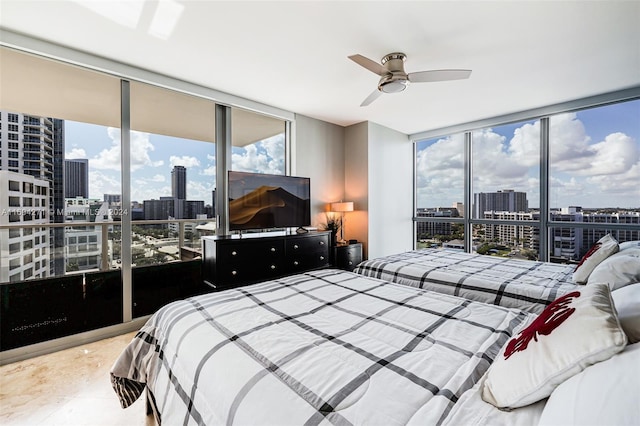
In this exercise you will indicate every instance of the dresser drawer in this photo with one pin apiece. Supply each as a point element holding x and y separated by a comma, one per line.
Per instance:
<point>237,273</point>
<point>315,244</point>
<point>250,252</point>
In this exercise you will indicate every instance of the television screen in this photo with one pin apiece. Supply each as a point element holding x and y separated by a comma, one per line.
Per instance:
<point>262,201</point>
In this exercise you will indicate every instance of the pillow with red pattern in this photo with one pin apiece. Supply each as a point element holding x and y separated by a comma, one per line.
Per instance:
<point>576,330</point>
<point>605,247</point>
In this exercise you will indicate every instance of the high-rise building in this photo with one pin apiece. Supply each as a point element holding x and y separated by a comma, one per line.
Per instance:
<point>162,209</point>
<point>76,178</point>
<point>179,182</point>
<point>431,229</point>
<point>506,200</point>
<point>57,201</point>
<point>28,148</point>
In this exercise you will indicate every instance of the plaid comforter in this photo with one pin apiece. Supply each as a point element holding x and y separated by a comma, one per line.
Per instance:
<point>513,283</point>
<point>324,347</point>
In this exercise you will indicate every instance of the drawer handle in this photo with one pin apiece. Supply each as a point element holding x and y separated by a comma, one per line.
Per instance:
<point>273,249</point>
<point>321,257</point>
<point>295,246</point>
<point>321,243</point>
<point>350,263</point>
<point>295,262</point>
<point>233,253</point>
<point>273,266</point>
<point>234,273</point>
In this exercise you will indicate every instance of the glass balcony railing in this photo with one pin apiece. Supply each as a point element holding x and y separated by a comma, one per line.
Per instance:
<point>69,278</point>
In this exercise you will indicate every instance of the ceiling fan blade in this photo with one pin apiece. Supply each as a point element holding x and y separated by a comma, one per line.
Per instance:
<point>369,64</point>
<point>438,75</point>
<point>372,97</point>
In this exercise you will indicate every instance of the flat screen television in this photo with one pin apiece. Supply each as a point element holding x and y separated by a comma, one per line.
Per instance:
<point>263,201</point>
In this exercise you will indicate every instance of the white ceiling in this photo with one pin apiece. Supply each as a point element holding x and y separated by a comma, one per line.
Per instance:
<point>293,54</point>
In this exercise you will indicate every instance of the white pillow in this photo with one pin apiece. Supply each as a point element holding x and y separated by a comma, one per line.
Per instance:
<point>607,393</point>
<point>618,270</point>
<point>573,332</point>
<point>604,248</point>
<point>627,303</point>
<point>629,244</point>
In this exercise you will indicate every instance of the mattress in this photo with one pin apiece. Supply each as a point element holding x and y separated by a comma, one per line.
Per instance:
<point>323,347</point>
<point>513,283</point>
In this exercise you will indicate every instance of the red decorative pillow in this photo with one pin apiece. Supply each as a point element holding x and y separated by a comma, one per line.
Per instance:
<point>575,331</point>
<point>605,247</point>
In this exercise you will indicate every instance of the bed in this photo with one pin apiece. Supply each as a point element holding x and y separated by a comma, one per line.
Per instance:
<point>324,347</point>
<point>509,282</point>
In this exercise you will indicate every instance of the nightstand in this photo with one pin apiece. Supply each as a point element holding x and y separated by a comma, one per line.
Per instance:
<point>348,256</point>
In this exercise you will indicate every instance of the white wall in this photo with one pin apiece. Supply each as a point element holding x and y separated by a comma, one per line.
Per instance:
<point>368,164</point>
<point>390,191</point>
<point>319,154</point>
<point>379,180</point>
<point>356,184</point>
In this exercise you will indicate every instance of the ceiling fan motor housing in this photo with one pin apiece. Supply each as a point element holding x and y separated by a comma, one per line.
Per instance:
<point>397,80</point>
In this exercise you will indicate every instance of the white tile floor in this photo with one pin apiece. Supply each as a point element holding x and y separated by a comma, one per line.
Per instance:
<point>70,387</point>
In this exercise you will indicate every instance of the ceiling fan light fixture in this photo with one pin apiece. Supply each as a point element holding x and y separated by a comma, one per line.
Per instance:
<point>393,86</point>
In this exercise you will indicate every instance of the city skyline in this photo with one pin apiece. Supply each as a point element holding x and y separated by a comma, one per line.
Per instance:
<point>153,157</point>
<point>594,160</point>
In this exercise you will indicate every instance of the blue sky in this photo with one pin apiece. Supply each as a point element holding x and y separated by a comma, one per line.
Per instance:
<point>153,157</point>
<point>594,160</point>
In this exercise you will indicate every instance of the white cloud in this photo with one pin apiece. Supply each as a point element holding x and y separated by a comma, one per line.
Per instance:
<point>440,172</point>
<point>209,171</point>
<point>197,190</point>
<point>103,183</point>
<point>109,159</point>
<point>617,154</point>
<point>495,165</point>
<point>185,160</point>
<point>568,143</point>
<point>266,156</point>
<point>158,178</point>
<point>75,153</point>
<point>524,147</point>
<point>605,173</point>
<point>141,191</point>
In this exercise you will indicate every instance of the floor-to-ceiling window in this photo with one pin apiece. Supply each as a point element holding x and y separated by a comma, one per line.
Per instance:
<point>583,165</point>
<point>505,187</point>
<point>440,181</point>
<point>57,122</point>
<point>107,186</point>
<point>594,162</point>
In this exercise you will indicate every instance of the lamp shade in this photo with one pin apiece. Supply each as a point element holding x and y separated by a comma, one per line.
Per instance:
<point>342,206</point>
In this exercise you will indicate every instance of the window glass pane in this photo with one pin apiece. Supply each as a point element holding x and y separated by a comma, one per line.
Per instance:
<point>173,173</point>
<point>594,174</point>
<point>440,176</point>
<point>91,170</point>
<point>258,143</point>
<point>440,191</point>
<point>506,186</point>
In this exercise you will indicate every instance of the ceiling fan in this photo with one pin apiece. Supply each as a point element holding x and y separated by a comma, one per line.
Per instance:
<point>394,79</point>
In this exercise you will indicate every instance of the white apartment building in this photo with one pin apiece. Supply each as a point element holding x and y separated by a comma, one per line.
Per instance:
<point>24,251</point>
<point>83,244</point>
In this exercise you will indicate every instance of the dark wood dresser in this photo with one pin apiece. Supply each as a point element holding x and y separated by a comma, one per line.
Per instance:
<point>233,261</point>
